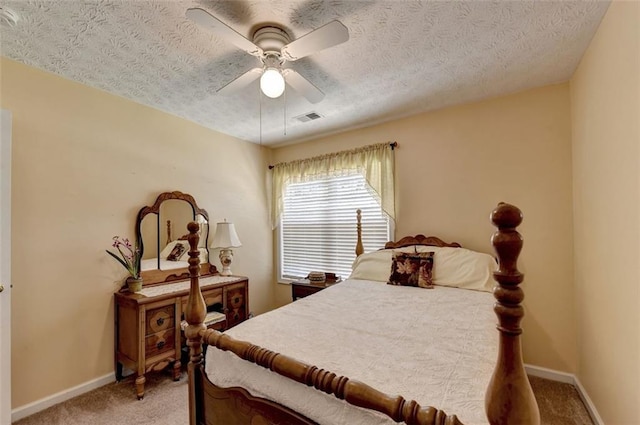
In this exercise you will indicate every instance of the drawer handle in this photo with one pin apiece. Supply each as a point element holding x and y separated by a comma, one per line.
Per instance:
<point>160,345</point>
<point>160,321</point>
<point>236,300</point>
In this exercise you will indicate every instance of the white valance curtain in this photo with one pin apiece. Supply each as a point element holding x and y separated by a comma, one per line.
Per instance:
<point>374,162</point>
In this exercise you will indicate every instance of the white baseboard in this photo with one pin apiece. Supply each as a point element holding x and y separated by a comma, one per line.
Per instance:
<point>550,374</point>
<point>567,378</point>
<point>38,405</point>
<point>540,372</point>
<point>591,408</point>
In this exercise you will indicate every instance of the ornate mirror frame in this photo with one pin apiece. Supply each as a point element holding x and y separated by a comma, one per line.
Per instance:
<point>160,276</point>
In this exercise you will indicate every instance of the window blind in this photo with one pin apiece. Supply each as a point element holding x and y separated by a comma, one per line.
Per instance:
<point>318,225</point>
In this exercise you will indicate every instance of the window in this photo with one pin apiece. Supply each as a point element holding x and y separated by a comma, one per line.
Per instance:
<point>318,225</point>
<point>314,203</point>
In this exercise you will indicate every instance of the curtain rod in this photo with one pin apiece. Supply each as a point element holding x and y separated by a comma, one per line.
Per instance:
<point>392,145</point>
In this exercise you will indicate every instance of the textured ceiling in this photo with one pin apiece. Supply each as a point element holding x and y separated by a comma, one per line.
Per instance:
<point>402,58</point>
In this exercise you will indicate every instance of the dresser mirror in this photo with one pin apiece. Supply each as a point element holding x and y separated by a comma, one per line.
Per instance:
<point>161,230</point>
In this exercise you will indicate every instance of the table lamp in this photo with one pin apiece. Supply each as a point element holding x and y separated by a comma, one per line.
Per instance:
<point>225,239</point>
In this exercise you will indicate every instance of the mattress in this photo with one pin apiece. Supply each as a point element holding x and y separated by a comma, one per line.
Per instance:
<point>436,346</point>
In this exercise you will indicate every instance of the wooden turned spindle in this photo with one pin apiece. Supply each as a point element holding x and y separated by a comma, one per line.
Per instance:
<point>195,313</point>
<point>509,399</point>
<point>357,393</point>
<point>359,247</point>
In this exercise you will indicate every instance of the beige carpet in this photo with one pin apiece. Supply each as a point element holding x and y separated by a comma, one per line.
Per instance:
<point>165,403</point>
<point>559,403</point>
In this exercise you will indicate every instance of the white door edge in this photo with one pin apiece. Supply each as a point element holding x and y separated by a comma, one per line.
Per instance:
<point>5,266</point>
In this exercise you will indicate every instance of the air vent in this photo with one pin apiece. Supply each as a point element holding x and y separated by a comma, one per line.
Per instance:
<point>308,117</point>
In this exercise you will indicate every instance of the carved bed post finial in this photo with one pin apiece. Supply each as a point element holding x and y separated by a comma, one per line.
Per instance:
<point>509,398</point>
<point>359,247</point>
<point>194,314</point>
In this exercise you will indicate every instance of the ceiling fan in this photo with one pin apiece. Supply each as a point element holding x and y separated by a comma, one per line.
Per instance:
<point>273,47</point>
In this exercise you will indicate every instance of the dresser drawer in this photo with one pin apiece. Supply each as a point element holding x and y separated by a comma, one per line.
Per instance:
<point>160,342</point>
<point>304,288</point>
<point>235,298</point>
<point>236,305</point>
<point>304,291</point>
<point>160,319</point>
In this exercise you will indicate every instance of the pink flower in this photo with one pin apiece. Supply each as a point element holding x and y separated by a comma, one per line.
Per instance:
<point>129,256</point>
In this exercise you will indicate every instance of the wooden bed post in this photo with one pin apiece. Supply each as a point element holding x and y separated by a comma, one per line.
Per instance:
<point>359,247</point>
<point>509,399</point>
<point>194,314</point>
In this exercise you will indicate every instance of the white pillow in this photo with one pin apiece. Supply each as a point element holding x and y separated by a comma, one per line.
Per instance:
<point>374,265</point>
<point>167,249</point>
<point>456,267</point>
<point>463,268</point>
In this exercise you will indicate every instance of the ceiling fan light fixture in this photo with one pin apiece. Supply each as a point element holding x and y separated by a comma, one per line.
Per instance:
<point>272,83</point>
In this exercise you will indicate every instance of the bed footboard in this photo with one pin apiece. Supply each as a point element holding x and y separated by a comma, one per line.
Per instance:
<point>219,406</point>
<point>354,392</point>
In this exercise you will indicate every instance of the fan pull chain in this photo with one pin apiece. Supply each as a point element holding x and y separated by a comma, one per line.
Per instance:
<point>285,113</point>
<point>260,103</point>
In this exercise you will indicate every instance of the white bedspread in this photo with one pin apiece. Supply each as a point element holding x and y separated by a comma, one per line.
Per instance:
<point>436,346</point>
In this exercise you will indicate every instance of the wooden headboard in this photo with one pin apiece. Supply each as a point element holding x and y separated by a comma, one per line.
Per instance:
<point>421,240</point>
<point>406,241</point>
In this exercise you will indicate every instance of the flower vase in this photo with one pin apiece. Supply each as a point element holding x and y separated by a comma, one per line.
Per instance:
<point>134,285</point>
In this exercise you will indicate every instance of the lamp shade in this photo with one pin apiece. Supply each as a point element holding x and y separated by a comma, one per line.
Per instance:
<point>272,83</point>
<point>226,236</point>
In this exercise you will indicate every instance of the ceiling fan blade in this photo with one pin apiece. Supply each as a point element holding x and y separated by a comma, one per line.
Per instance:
<point>329,35</point>
<point>241,82</point>
<point>222,30</point>
<point>302,86</point>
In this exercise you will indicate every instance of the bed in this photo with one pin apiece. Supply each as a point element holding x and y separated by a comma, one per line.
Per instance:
<point>348,350</point>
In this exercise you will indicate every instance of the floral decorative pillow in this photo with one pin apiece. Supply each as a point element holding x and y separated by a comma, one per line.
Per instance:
<point>412,269</point>
<point>176,252</point>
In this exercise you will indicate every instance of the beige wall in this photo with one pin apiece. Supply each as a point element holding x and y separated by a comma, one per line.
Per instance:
<point>84,162</point>
<point>605,101</point>
<point>453,166</point>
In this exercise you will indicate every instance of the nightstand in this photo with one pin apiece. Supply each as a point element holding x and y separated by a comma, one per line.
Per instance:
<point>303,288</point>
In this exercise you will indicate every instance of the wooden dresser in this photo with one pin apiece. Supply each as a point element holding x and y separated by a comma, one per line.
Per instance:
<point>148,335</point>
